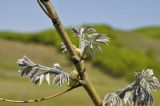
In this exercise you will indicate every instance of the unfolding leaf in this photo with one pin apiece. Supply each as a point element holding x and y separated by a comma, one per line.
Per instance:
<point>112,99</point>
<point>41,79</point>
<point>126,97</point>
<point>48,78</point>
<point>89,38</point>
<point>61,78</point>
<point>29,68</point>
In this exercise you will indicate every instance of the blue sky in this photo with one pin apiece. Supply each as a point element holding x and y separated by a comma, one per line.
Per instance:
<point>26,16</point>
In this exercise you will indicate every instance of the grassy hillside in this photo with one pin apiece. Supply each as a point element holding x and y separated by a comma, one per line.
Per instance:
<point>128,51</point>
<point>153,32</point>
<point>14,87</point>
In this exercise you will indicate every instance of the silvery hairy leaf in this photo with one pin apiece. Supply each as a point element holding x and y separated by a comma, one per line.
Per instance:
<point>101,38</point>
<point>63,47</point>
<point>82,29</point>
<point>24,62</point>
<point>98,48</point>
<point>48,78</point>
<point>26,66</point>
<point>112,99</point>
<point>139,96</point>
<point>37,73</point>
<point>148,80</point>
<point>88,38</point>
<point>140,91</point>
<point>126,97</point>
<point>41,78</point>
<point>61,78</point>
<point>92,52</point>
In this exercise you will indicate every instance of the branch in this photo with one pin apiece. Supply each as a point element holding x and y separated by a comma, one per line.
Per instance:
<point>42,7</point>
<point>88,86</point>
<point>41,99</point>
<point>56,22</point>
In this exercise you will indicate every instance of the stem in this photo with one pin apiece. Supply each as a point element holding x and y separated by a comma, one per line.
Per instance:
<point>41,99</point>
<point>88,86</point>
<point>58,25</point>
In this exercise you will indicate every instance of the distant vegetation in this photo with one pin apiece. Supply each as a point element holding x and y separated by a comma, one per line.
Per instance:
<point>128,51</point>
<point>153,32</point>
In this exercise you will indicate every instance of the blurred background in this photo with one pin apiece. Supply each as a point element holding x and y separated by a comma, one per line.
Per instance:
<point>132,26</point>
